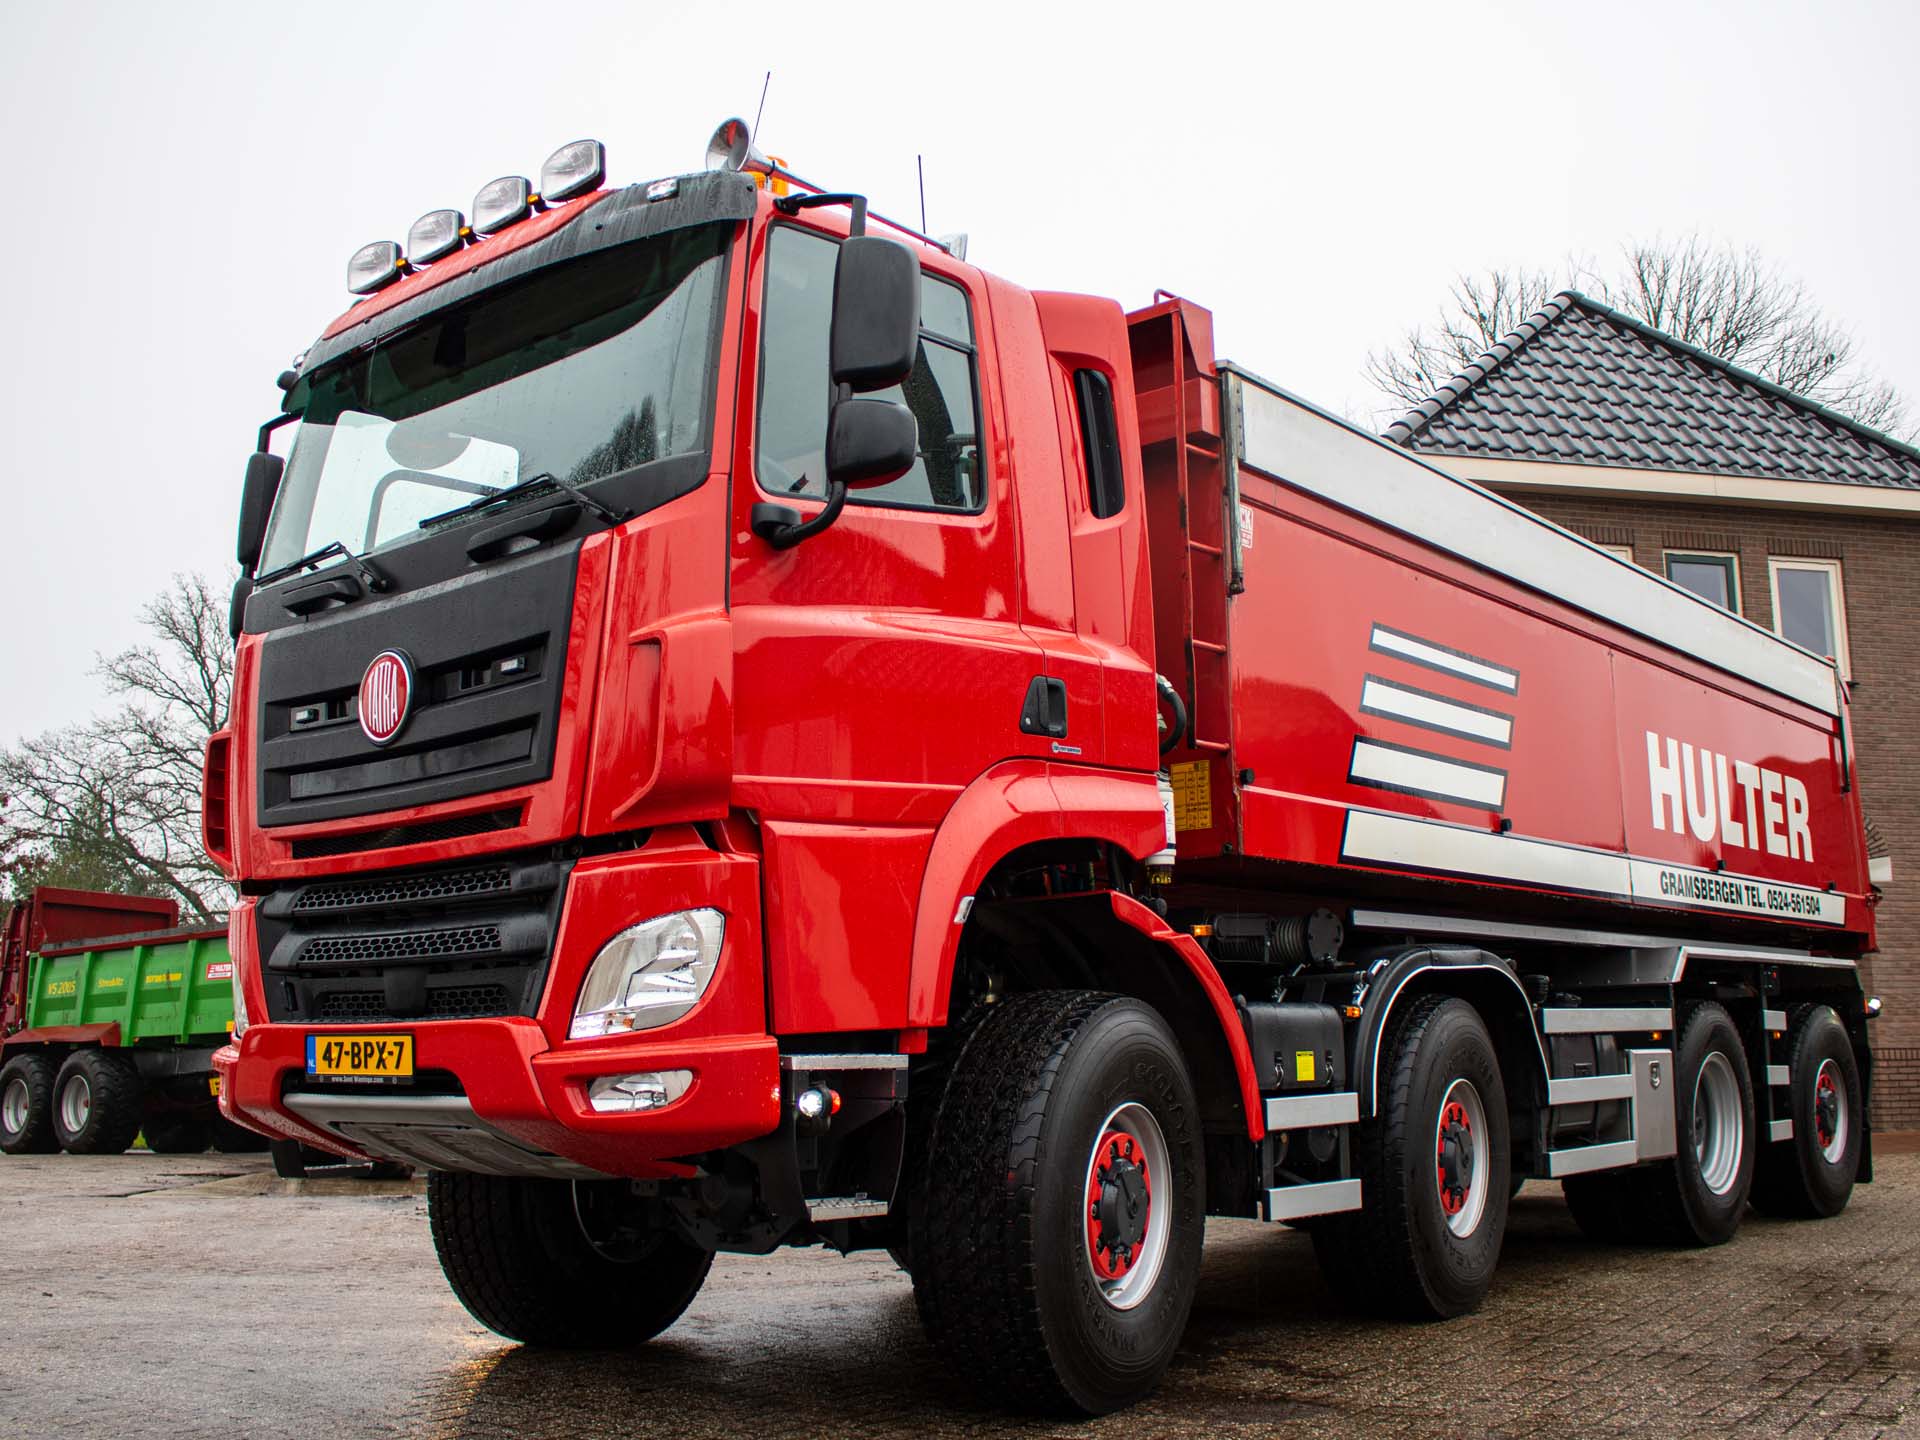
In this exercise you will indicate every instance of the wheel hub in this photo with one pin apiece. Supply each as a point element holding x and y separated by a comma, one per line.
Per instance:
<point>1119,1200</point>
<point>13,1107</point>
<point>1826,1108</point>
<point>1455,1157</point>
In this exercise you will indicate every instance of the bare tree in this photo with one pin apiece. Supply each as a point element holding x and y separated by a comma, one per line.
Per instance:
<point>1730,303</point>
<point>115,803</point>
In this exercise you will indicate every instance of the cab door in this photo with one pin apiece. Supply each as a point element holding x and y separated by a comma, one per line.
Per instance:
<point>880,665</point>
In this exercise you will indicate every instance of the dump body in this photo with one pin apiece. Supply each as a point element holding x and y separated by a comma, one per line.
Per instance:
<point>157,988</point>
<point>52,916</point>
<point>1424,691</point>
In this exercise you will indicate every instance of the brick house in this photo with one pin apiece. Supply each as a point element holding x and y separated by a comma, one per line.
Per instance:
<point>1758,499</point>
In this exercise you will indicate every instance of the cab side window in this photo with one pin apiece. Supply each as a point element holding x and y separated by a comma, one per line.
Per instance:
<point>942,391</point>
<point>1100,443</point>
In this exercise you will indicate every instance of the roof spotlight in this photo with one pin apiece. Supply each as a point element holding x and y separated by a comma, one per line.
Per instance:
<point>436,235</point>
<point>731,148</point>
<point>374,265</point>
<point>501,203</point>
<point>574,170</point>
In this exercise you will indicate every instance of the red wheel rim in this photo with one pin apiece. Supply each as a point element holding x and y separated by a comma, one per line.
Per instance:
<point>1109,1250</point>
<point>1453,1188</point>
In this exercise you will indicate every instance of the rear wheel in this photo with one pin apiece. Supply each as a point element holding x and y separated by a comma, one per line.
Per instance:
<point>26,1105</point>
<point>1812,1174</point>
<point>1697,1197</point>
<point>1057,1240</point>
<point>186,1131</point>
<point>1434,1166</point>
<point>96,1103</point>
<point>560,1263</point>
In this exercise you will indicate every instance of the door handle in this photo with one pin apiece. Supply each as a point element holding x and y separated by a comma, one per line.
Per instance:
<point>1045,709</point>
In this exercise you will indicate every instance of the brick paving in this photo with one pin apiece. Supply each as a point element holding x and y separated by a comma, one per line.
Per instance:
<point>200,1297</point>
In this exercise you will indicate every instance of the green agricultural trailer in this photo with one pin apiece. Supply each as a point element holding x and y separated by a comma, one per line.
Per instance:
<point>109,1016</point>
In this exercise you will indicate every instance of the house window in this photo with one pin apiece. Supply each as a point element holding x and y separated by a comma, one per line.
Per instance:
<point>1711,577</point>
<point>1809,606</point>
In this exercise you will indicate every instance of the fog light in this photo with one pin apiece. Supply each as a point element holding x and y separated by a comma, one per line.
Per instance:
<point>649,1090</point>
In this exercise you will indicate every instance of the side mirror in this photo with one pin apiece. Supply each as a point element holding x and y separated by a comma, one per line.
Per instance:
<point>876,314</point>
<point>870,442</point>
<point>256,503</point>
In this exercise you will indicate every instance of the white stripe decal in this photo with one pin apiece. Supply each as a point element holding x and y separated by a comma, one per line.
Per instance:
<point>1416,772</point>
<point>1414,844</point>
<point>1438,657</point>
<point>1381,697</point>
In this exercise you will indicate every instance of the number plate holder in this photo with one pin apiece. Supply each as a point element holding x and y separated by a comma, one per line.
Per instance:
<point>360,1057</point>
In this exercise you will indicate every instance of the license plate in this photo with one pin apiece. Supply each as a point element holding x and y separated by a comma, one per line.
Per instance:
<point>360,1055</point>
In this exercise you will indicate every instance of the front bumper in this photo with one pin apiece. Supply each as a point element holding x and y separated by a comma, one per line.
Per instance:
<point>508,1095</point>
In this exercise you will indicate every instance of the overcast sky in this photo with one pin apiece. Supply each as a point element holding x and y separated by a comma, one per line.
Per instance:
<point>189,180</point>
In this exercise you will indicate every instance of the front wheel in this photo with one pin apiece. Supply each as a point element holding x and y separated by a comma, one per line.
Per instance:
<point>1057,1240</point>
<point>569,1264</point>
<point>1434,1164</point>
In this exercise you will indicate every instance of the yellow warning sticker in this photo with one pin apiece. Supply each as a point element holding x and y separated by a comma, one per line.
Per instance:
<point>1192,795</point>
<point>1303,1067</point>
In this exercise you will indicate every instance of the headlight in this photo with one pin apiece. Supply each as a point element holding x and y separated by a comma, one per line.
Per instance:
<point>649,974</point>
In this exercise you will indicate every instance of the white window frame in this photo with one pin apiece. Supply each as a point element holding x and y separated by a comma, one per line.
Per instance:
<point>1837,589</point>
<point>1667,557</point>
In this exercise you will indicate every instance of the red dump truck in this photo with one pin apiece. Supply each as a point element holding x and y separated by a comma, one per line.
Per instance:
<point>751,731</point>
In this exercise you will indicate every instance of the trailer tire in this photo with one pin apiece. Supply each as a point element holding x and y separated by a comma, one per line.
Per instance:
<point>185,1131</point>
<point>517,1254</point>
<point>96,1103</point>
<point>1697,1197</point>
<point>1057,1246</point>
<point>233,1138</point>
<point>1434,1164</point>
<point>1811,1176</point>
<point>26,1105</point>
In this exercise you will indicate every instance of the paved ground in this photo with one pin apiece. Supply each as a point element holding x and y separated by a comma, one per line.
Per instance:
<point>146,1296</point>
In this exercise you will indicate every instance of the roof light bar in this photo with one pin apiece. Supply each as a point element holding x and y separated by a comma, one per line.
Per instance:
<point>375,265</point>
<point>502,202</point>
<point>436,235</point>
<point>573,170</point>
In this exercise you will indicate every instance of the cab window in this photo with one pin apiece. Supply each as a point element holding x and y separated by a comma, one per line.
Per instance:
<point>942,391</point>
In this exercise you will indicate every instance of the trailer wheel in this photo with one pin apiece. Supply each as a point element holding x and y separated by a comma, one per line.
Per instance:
<point>551,1262</point>
<point>1697,1197</point>
<point>185,1131</point>
<point>96,1103</point>
<point>1057,1245</point>
<point>1811,1176</point>
<point>26,1105</point>
<point>1434,1165</point>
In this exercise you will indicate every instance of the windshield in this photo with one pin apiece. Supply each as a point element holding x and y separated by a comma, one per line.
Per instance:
<point>582,370</point>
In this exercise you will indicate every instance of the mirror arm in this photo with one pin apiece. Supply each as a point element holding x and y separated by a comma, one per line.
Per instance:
<point>781,526</point>
<point>791,205</point>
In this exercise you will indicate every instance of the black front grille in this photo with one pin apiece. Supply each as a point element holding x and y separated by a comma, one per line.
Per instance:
<point>319,847</point>
<point>405,889</point>
<point>451,1002</point>
<point>458,942</point>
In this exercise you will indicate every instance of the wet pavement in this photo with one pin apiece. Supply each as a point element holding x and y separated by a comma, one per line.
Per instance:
<point>151,1296</point>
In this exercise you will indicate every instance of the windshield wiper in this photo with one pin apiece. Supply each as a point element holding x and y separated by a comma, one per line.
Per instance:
<point>375,579</point>
<point>522,487</point>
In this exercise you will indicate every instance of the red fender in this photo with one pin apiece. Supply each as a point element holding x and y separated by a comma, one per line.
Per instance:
<point>105,1034</point>
<point>1126,908</point>
<point>1016,803</point>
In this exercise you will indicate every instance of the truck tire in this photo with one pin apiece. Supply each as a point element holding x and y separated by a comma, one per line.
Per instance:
<point>1697,1197</point>
<point>518,1255</point>
<point>1057,1244</point>
<point>96,1103</point>
<point>186,1130</point>
<point>1811,1176</point>
<point>1434,1164</point>
<point>26,1105</point>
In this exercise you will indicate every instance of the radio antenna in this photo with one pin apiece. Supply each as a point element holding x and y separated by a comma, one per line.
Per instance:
<point>763,103</point>
<point>919,164</point>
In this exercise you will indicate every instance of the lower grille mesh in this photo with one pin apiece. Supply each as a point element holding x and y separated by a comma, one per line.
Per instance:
<point>384,949</point>
<point>455,1002</point>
